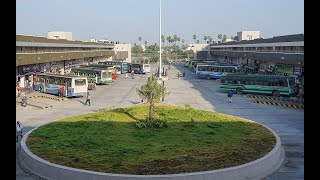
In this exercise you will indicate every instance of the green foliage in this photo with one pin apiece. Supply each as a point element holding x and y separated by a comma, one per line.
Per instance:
<point>224,38</point>
<point>154,59</point>
<point>151,91</point>
<point>137,49</point>
<point>152,49</point>
<point>156,123</point>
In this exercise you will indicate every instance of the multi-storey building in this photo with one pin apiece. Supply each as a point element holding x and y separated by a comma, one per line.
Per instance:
<point>263,54</point>
<point>39,54</point>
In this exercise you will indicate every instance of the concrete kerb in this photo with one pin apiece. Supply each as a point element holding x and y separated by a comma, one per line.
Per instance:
<point>257,169</point>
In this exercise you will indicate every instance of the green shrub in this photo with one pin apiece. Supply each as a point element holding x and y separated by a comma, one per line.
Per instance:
<point>157,123</point>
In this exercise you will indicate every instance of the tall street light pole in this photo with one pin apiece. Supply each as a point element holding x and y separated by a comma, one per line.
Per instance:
<point>160,44</point>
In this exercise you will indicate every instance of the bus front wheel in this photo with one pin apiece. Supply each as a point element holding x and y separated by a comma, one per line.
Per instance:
<point>275,93</point>
<point>239,91</point>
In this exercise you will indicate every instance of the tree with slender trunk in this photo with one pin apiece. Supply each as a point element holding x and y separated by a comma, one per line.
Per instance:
<point>220,36</point>
<point>175,41</point>
<point>163,40</point>
<point>224,38</point>
<point>198,41</point>
<point>178,39</point>
<point>194,38</point>
<point>205,39</point>
<point>152,92</point>
<point>140,38</point>
<point>169,40</point>
<point>210,39</point>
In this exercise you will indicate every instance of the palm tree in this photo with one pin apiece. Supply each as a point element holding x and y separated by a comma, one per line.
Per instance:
<point>194,37</point>
<point>178,39</point>
<point>140,38</point>
<point>220,36</point>
<point>224,38</point>
<point>198,41</point>
<point>205,39</point>
<point>182,41</point>
<point>163,39</point>
<point>210,39</point>
<point>151,91</point>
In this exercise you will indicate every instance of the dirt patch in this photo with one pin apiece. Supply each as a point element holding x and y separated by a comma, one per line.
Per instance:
<point>35,139</point>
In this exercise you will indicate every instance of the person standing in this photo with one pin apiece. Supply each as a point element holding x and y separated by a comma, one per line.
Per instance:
<point>230,94</point>
<point>19,129</point>
<point>88,99</point>
<point>61,91</point>
<point>30,86</point>
<point>132,74</point>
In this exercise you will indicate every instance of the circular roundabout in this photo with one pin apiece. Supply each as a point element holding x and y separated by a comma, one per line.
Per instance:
<point>191,144</point>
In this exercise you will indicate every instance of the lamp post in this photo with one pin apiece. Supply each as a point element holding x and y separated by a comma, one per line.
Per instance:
<point>160,44</point>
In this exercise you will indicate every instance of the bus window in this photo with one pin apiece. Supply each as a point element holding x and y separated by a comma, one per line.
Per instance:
<point>80,82</point>
<point>281,83</point>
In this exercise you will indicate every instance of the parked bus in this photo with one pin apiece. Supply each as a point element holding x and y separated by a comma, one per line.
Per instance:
<point>140,68</point>
<point>121,66</point>
<point>97,76</point>
<point>214,71</point>
<point>115,72</point>
<point>191,64</point>
<point>186,64</point>
<point>61,85</point>
<point>274,85</point>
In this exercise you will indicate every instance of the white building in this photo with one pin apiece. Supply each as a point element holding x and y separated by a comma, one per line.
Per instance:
<point>60,35</point>
<point>197,48</point>
<point>93,40</point>
<point>229,40</point>
<point>122,52</point>
<point>248,35</point>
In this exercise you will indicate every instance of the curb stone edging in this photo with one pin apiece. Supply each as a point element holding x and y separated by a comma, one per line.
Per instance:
<point>255,170</point>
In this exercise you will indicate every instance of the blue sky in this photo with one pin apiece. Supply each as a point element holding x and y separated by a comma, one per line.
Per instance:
<point>126,20</point>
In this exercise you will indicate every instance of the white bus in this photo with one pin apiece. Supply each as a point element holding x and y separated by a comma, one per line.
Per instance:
<point>61,85</point>
<point>140,68</point>
<point>146,68</point>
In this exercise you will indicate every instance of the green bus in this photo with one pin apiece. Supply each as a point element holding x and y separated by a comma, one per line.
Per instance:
<point>97,76</point>
<point>121,66</point>
<point>274,85</point>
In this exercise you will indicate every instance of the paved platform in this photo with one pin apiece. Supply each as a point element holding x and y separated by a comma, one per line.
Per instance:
<point>204,94</point>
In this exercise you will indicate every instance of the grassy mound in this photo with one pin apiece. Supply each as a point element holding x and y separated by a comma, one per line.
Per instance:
<point>109,141</point>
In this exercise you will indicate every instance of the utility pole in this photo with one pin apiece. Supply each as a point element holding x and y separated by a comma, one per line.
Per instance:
<point>160,44</point>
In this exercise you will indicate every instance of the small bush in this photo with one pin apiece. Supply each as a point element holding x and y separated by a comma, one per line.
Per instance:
<point>157,123</point>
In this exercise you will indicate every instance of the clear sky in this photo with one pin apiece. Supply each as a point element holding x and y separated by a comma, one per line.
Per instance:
<point>126,20</point>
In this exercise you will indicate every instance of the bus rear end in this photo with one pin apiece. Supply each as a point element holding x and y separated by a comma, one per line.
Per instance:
<point>146,68</point>
<point>106,76</point>
<point>79,87</point>
<point>124,68</point>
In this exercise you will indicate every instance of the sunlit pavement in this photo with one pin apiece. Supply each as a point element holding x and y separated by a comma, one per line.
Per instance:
<point>200,94</point>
